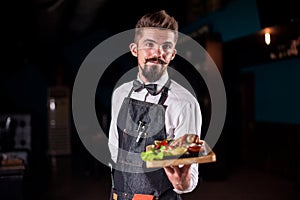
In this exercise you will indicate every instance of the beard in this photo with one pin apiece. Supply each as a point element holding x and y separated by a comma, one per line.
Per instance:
<point>152,72</point>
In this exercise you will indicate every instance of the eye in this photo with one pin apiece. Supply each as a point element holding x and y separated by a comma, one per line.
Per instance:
<point>166,47</point>
<point>149,44</point>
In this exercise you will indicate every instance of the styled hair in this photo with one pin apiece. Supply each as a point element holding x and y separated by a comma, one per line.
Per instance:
<point>160,19</point>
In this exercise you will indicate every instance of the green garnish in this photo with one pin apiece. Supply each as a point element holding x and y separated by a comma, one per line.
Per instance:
<point>152,155</point>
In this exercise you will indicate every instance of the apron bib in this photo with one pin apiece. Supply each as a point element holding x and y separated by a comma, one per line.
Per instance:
<point>139,124</point>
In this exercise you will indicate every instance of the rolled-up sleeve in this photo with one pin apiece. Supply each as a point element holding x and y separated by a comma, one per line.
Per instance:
<point>190,121</point>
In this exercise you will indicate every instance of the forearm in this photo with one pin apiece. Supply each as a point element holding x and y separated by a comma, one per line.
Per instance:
<point>183,185</point>
<point>190,183</point>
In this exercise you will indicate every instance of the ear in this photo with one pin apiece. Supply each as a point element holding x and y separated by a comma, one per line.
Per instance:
<point>173,54</point>
<point>133,49</point>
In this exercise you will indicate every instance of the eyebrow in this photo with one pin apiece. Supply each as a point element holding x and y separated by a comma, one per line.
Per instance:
<point>150,40</point>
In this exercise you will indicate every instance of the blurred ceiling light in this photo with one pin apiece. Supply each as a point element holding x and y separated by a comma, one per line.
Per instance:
<point>267,38</point>
<point>52,104</point>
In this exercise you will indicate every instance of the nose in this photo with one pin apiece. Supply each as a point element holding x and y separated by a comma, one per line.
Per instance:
<point>158,51</point>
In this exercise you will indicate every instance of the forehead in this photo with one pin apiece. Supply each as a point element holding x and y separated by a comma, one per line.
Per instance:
<point>158,35</point>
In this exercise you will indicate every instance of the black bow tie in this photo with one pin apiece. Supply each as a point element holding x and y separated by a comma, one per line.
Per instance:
<point>138,86</point>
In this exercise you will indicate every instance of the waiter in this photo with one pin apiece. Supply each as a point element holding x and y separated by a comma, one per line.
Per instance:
<point>152,107</point>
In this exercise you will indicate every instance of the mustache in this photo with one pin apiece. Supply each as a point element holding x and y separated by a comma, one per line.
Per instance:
<point>160,61</point>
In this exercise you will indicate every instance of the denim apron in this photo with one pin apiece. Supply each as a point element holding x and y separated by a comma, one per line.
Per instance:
<point>139,124</point>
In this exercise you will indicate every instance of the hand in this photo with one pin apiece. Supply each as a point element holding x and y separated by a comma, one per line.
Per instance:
<point>179,176</point>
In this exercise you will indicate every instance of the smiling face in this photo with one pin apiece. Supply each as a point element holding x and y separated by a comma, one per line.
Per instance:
<point>154,49</point>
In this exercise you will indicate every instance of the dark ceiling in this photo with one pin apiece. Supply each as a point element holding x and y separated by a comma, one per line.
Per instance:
<point>35,31</point>
<point>60,21</point>
<point>37,28</point>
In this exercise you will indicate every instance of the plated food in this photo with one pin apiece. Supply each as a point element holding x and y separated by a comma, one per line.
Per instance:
<point>184,150</point>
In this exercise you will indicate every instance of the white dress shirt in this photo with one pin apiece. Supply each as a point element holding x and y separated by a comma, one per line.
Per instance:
<point>182,115</point>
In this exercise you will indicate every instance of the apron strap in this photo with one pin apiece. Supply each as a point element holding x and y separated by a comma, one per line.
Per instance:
<point>164,93</point>
<point>130,92</point>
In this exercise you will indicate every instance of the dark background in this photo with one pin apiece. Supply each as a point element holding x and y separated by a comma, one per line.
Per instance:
<point>44,43</point>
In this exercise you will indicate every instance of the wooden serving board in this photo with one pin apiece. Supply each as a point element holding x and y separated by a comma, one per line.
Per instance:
<point>208,158</point>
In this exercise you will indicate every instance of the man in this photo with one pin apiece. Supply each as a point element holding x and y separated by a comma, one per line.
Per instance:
<point>152,107</point>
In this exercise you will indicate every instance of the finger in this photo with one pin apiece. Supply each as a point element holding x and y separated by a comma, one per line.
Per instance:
<point>186,167</point>
<point>177,170</point>
<point>169,170</point>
